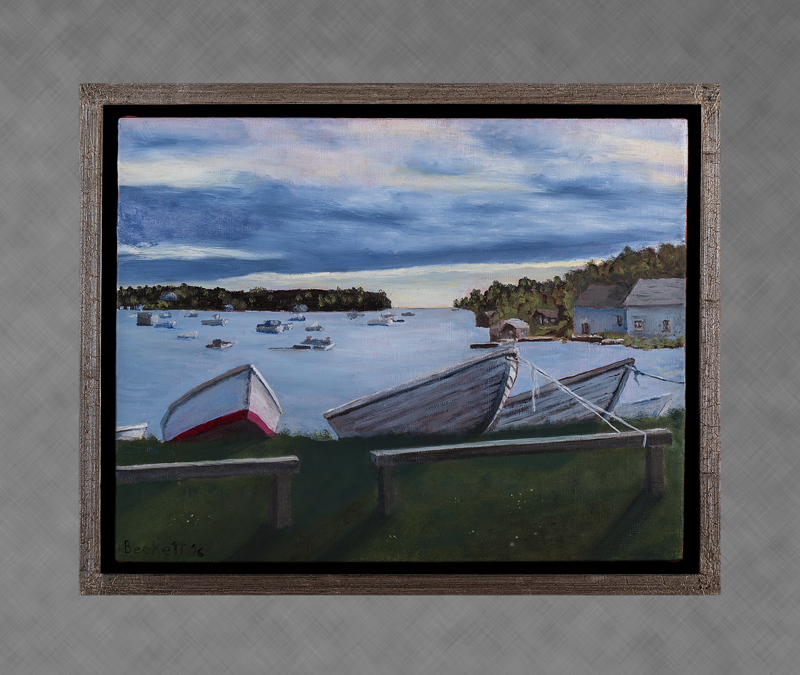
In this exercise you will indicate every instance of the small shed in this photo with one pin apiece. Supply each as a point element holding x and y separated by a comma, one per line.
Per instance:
<point>511,329</point>
<point>546,317</point>
<point>600,309</point>
<point>169,297</point>
<point>228,308</point>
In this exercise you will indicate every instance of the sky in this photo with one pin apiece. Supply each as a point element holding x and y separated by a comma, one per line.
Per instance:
<point>424,209</point>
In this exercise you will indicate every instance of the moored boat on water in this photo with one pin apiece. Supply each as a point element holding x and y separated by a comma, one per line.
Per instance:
<point>165,315</point>
<point>298,313</point>
<point>272,326</point>
<point>166,324</point>
<point>317,343</point>
<point>407,314</point>
<point>649,407</point>
<point>314,326</point>
<point>552,405</point>
<point>236,402</point>
<point>188,336</point>
<point>215,320</point>
<point>380,322</point>
<point>586,338</point>
<point>192,314</point>
<point>219,344</point>
<point>132,432</point>
<point>460,399</point>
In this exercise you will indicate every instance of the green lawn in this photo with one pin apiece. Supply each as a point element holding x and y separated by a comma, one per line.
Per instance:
<point>568,506</point>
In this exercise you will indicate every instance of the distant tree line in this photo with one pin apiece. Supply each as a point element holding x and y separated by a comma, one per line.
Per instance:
<point>523,299</point>
<point>261,299</point>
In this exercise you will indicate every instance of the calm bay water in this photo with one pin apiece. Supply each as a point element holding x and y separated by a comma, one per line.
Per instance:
<point>155,367</point>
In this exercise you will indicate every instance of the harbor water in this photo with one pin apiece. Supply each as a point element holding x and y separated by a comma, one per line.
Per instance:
<point>154,367</point>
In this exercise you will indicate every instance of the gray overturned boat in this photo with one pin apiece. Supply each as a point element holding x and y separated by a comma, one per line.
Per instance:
<point>460,399</point>
<point>649,407</point>
<point>553,406</point>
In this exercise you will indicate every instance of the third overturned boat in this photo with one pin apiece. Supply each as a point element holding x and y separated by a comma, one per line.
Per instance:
<point>552,405</point>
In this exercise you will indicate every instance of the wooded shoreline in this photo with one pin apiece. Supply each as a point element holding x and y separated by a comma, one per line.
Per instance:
<point>256,299</point>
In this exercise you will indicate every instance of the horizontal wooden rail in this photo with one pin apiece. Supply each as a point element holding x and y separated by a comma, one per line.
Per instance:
<point>656,439</point>
<point>279,468</point>
<point>524,446</point>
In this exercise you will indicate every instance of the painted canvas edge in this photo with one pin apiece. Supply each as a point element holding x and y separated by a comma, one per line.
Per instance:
<point>92,99</point>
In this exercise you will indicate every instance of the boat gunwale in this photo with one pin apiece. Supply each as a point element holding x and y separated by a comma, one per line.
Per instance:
<point>129,427</point>
<point>418,381</point>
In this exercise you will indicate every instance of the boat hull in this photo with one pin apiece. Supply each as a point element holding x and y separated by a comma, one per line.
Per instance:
<point>131,433</point>
<point>651,407</point>
<point>461,399</point>
<point>602,386</point>
<point>235,403</point>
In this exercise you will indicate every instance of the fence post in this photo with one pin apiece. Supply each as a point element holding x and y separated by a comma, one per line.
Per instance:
<point>280,503</point>
<point>386,491</point>
<point>654,470</point>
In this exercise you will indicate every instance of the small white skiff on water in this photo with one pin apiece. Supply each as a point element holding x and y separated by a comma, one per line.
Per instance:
<point>238,401</point>
<point>461,399</point>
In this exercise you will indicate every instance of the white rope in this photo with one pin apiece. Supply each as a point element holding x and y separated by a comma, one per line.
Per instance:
<point>637,372</point>
<point>597,410</point>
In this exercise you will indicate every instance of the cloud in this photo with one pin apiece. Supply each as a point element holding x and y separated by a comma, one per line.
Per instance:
<point>421,154</point>
<point>188,252</point>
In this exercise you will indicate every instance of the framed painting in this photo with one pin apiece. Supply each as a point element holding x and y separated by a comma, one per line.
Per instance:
<point>397,339</point>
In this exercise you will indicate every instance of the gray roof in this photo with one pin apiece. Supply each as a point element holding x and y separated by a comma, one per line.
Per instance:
<point>602,297</point>
<point>549,313</point>
<point>518,323</point>
<point>650,292</point>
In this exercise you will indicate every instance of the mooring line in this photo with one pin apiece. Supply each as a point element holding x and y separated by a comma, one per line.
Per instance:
<point>597,410</point>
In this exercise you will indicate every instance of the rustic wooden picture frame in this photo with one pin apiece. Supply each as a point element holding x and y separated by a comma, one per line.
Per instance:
<point>94,581</point>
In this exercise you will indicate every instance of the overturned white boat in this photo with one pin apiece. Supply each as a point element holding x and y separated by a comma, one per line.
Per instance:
<point>460,399</point>
<point>132,432</point>
<point>236,402</point>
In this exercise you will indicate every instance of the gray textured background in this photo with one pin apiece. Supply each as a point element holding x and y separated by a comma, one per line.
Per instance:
<point>47,48</point>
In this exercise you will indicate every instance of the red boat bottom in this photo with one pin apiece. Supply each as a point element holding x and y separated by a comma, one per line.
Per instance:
<point>239,423</point>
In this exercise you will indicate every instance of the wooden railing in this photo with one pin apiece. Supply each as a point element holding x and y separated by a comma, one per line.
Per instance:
<point>386,460</point>
<point>279,468</point>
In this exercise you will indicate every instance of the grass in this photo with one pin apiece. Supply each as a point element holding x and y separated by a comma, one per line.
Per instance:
<point>559,507</point>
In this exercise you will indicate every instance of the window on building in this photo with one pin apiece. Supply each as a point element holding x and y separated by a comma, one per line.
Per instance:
<point>638,325</point>
<point>666,326</point>
<point>585,328</point>
<point>619,320</point>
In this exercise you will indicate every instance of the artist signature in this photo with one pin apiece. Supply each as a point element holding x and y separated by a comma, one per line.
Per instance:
<point>173,548</point>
